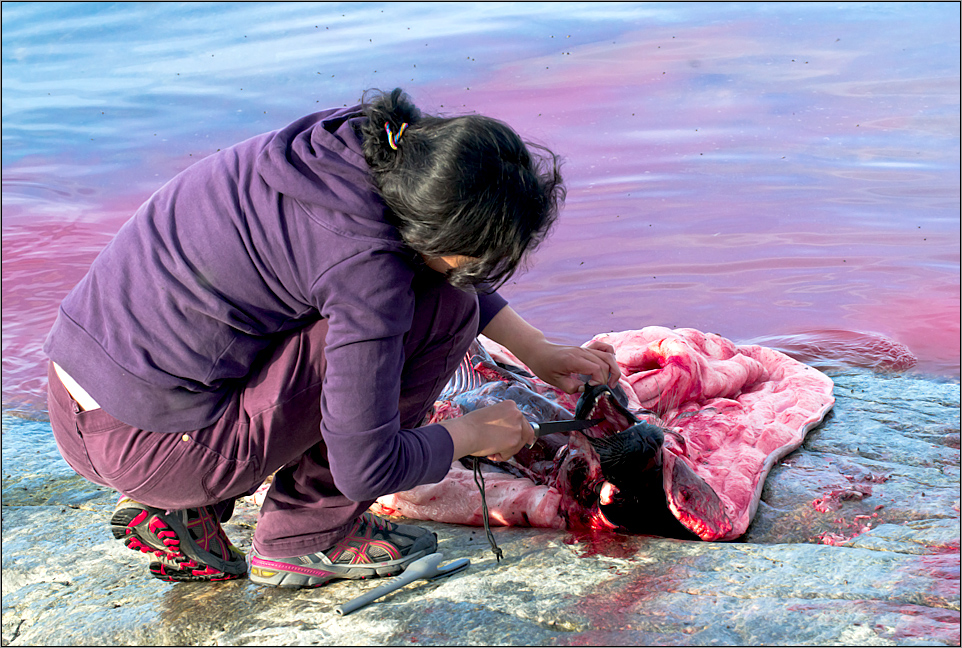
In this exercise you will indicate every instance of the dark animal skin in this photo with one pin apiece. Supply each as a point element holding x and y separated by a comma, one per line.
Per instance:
<point>632,496</point>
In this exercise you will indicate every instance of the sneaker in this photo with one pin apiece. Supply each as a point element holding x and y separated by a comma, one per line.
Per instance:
<point>190,544</point>
<point>373,547</point>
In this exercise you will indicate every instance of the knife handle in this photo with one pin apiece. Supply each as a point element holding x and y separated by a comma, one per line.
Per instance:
<point>537,433</point>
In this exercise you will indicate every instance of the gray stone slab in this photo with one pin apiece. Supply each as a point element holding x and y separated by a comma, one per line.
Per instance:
<point>856,542</point>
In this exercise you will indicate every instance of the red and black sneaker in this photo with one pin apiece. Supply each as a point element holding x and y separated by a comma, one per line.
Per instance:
<point>190,543</point>
<point>373,547</point>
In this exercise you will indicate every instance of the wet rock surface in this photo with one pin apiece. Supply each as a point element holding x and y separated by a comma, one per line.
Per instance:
<point>856,541</point>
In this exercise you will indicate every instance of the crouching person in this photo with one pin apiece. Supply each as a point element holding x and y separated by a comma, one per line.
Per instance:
<point>293,305</point>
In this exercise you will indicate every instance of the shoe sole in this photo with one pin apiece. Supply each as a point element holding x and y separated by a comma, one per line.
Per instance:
<point>265,571</point>
<point>148,530</point>
<point>188,572</point>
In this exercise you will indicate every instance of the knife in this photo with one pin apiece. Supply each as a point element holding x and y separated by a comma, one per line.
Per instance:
<point>550,427</point>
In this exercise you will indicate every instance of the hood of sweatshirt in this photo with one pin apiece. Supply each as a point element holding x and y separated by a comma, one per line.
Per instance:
<point>318,161</point>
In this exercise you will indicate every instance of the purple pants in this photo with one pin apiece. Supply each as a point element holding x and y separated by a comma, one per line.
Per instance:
<point>272,424</point>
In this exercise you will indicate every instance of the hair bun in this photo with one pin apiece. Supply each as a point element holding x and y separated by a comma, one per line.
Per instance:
<point>389,116</point>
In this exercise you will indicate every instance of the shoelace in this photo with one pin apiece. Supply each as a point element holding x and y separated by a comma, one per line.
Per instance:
<point>479,481</point>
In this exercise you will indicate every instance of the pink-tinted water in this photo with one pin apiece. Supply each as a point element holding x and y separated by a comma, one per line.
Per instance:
<point>786,172</point>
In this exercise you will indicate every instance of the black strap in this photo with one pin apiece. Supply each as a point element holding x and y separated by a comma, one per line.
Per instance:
<point>479,481</point>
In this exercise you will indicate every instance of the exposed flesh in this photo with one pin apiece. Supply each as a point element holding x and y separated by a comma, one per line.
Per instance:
<point>728,413</point>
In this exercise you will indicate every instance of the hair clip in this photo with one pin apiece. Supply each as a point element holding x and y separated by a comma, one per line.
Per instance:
<point>393,139</point>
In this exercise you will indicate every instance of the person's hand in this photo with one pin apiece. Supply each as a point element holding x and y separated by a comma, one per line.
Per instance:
<point>556,364</point>
<point>497,432</point>
<point>565,366</point>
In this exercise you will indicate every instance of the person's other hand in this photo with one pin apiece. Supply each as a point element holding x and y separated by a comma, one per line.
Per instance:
<point>565,366</point>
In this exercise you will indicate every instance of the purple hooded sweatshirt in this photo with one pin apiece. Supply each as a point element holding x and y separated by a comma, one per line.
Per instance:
<point>236,251</point>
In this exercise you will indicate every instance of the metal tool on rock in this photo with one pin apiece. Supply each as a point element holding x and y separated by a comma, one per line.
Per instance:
<point>427,568</point>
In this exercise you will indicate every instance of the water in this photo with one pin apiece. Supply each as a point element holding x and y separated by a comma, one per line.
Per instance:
<point>780,170</point>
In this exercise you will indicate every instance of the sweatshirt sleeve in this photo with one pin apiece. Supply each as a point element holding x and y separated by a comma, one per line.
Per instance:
<point>369,306</point>
<point>489,305</point>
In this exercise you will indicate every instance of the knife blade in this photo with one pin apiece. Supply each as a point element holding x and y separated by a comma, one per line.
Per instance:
<point>550,427</point>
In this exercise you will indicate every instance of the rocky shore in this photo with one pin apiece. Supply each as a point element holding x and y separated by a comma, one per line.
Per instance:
<point>856,542</point>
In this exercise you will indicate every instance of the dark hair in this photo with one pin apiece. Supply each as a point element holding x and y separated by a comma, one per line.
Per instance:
<point>462,185</point>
